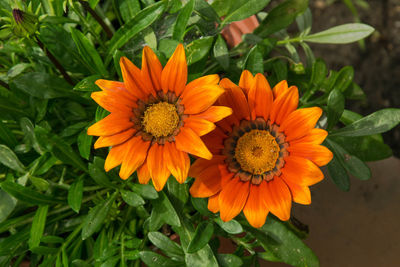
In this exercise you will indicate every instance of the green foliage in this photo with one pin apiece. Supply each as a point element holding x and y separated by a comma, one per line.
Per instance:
<point>58,207</point>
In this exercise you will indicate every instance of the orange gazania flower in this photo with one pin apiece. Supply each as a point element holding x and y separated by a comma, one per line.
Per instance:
<point>266,153</point>
<point>156,118</point>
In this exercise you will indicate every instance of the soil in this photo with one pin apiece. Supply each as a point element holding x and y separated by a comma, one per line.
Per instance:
<point>377,67</point>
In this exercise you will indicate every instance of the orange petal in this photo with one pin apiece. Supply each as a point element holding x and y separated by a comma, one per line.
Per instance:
<point>198,125</point>
<point>151,69</point>
<point>234,98</point>
<point>278,198</point>
<point>174,75</point>
<point>200,99</point>
<point>212,79</point>
<point>135,155</point>
<point>214,140</point>
<point>112,102</point>
<point>157,166</point>
<point>300,122</point>
<point>112,124</point>
<point>255,209</point>
<point>300,194</point>
<point>318,154</point>
<point>213,204</point>
<point>285,104</point>
<point>315,136</point>
<point>178,162</point>
<point>232,198</point>
<point>143,173</point>
<point>201,164</point>
<point>188,141</point>
<point>115,157</point>
<point>116,139</point>
<point>133,79</point>
<point>301,171</point>
<point>210,180</point>
<point>115,89</point>
<point>246,80</point>
<point>214,113</point>
<point>280,88</point>
<point>260,97</point>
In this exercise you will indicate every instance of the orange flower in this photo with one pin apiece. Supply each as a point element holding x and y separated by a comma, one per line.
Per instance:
<point>156,118</point>
<point>266,153</point>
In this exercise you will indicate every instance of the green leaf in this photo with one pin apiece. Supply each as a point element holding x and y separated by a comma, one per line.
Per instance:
<point>378,122</point>
<point>281,17</point>
<point>178,193</point>
<point>42,85</point>
<point>221,52</point>
<point>342,34</point>
<point>16,70</point>
<point>351,163</point>
<point>96,216</point>
<point>200,204</point>
<point>84,142</point>
<point>38,224</point>
<point>40,183</point>
<point>286,246</point>
<point>167,46</point>
<point>7,205</point>
<point>182,20</point>
<point>131,198</point>
<point>254,61</point>
<point>169,247</point>
<point>231,227</point>
<point>87,84</point>
<point>145,190</point>
<point>137,24</point>
<point>28,195</point>
<point>198,49</point>
<point>153,259</point>
<point>244,10</point>
<point>319,72</point>
<point>229,260</point>
<point>202,236</point>
<point>7,136</point>
<point>304,22</point>
<point>163,211</point>
<point>96,171</point>
<point>129,9</point>
<point>10,160</point>
<point>206,11</point>
<point>88,53</point>
<point>344,78</point>
<point>29,131</point>
<point>75,194</point>
<point>335,105</point>
<point>339,174</point>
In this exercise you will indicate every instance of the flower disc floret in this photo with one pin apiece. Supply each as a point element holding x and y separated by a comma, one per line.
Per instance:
<point>161,119</point>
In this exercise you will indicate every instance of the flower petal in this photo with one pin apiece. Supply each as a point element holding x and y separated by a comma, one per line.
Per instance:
<point>132,77</point>
<point>174,75</point>
<point>198,125</point>
<point>143,173</point>
<point>246,80</point>
<point>151,69</point>
<point>214,113</point>
<point>178,162</point>
<point>280,88</point>
<point>213,203</point>
<point>116,139</point>
<point>135,155</point>
<point>284,105</point>
<point>232,198</point>
<point>255,209</point>
<point>159,172</point>
<point>113,101</point>
<point>300,122</point>
<point>301,171</point>
<point>315,136</point>
<point>188,141</point>
<point>201,98</point>
<point>278,198</point>
<point>318,154</point>
<point>112,124</point>
<point>234,98</point>
<point>300,194</point>
<point>201,164</point>
<point>115,157</point>
<point>212,79</point>
<point>210,180</point>
<point>260,97</point>
<point>215,140</point>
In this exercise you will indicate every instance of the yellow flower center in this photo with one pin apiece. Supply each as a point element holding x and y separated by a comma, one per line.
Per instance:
<point>161,119</point>
<point>257,151</point>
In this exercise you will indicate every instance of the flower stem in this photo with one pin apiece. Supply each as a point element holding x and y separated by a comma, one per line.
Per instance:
<point>87,7</point>
<point>55,62</point>
<point>292,40</point>
<point>5,85</point>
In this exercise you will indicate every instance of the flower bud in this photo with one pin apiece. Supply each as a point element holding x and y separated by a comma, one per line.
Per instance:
<point>24,24</point>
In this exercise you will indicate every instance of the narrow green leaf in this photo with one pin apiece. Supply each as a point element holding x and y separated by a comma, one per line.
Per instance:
<point>145,190</point>
<point>342,34</point>
<point>229,260</point>
<point>304,22</point>
<point>163,211</point>
<point>182,20</point>
<point>38,224</point>
<point>153,259</point>
<point>28,195</point>
<point>231,227</point>
<point>221,52</point>
<point>344,78</point>
<point>88,53</point>
<point>132,198</point>
<point>96,216</point>
<point>319,72</point>
<point>96,171</point>
<point>169,247</point>
<point>129,9</point>
<point>10,160</point>
<point>200,204</point>
<point>7,205</point>
<point>202,236</point>
<point>52,239</point>
<point>7,136</point>
<point>29,130</point>
<point>378,122</point>
<point>206,11</point>
<point>335,105</point>
<point>198,49</point>
<point>141,21</point>
<point>75,194</point>
<point>40,183</point>
<point>178,193</point>
<point>84,142</point>
<point>245,10</point>
<point>338,174</point>
<point>254,61</point>
<point>87,84</point>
